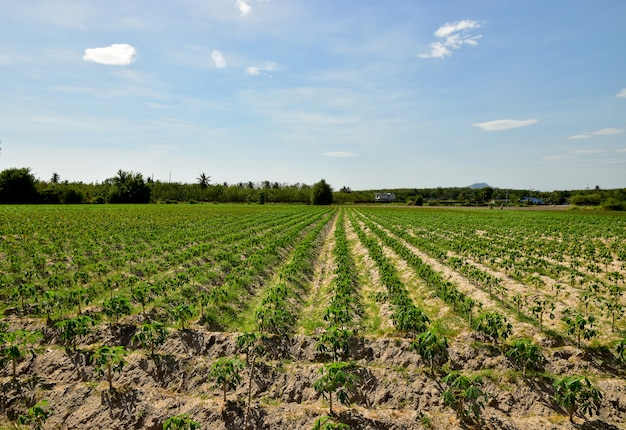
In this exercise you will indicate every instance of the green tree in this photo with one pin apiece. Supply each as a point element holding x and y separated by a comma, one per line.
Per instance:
<point>128,187</point>
<point>226,372</point>
<point>108,359</point>
<point>525,354</point>
<point>181,422</point>
<point>321,193</point>
<point>203,181</point>
<point>18,185</point>
<point>576,393</point>
<point>338,378</point>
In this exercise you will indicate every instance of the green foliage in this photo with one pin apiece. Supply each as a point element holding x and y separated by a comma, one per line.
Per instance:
<point>73,329</point>
<point>142,295</point>
<point>108,359</point>
<point>226,372</point>
<point>620,349</point>
<point>540,307</point>
<point>579,325</point>
<point>577,394</point>
<point>335,341</point>
<point>17,185</point>
<point>128,187</point>
<point>150,335</point>
<point>494,325</point>
<point>410,319</point>
<point>182,313</point>
<point>37,415</point>
<point>465,395</point>
<point>181,422</point>
<point>274,320</point>
<point>328,423</point>
<point>116,307</point>
<point>525,354</point>
<point>250,344</point>
<point>338,378</point>
<point>15,345</point>
<point>321,193</point>
<point>432,348</point>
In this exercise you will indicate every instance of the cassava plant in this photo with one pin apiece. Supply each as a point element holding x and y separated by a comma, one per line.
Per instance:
<point>432,348</point>
<point>465,394</point>
<point>577,394</point>
<point>226,372</point>
<point>108,359</point>
<point>181,422</point>
<point>525,354</point>
<point>336,378</point>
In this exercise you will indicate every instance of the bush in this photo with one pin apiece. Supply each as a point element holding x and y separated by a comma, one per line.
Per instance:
<point>613,204</point>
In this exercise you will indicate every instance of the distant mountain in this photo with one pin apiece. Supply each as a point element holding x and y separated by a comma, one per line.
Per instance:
<point>479,185</point>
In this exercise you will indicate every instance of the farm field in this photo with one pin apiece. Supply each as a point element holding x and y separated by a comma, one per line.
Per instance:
<point>240,316</point>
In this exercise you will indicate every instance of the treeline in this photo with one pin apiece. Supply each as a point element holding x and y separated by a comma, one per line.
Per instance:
<point>18,185</point>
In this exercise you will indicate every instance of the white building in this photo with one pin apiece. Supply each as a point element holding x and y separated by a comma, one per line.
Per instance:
<point>384,197</point>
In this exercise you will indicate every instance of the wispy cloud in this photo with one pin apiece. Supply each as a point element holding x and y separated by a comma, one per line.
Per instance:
<point>218,59</point>
<point>504,124</point>
<point>621,94</point>
<point>588,151</point>
<point>602,132</point>
<point>340,154</point>
<point>608,131</point>
<point>269,66</point>
<point>118,54</point>
<point>244,7</point>
<point>454,35</point>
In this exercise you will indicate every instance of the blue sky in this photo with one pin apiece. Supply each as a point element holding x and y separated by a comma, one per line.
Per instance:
<point>367,94</point>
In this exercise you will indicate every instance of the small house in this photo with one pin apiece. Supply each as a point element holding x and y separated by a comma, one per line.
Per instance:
<point>384,197</point>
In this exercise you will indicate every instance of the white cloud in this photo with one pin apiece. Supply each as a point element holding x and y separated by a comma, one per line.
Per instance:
<point>504,124</point>
<point>621,94</point>
<point>588,151</point>
<point>449,29</point>
<point>602,132</point>
<point>269,66</point>
<point>608,131</point>
<point>118,54</point>
<point>218,59</point>
<point>455,35</point>
<point>244,8</point>
<point>340,154</point>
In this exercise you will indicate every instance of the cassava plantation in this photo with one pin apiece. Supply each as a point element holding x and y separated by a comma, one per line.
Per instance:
<point>300,317</point>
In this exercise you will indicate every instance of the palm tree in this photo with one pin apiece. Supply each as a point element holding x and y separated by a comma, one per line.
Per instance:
<point>203,181</point>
